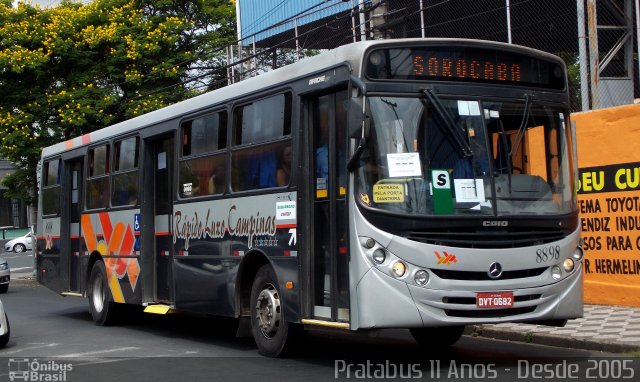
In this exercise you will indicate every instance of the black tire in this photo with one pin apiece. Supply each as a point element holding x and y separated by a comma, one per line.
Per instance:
<point>4,288</point>
<point>437,337</point>
<point>274,336</point>
<point>19,248</point>
<point>103,310</point>
<point>4,339</point>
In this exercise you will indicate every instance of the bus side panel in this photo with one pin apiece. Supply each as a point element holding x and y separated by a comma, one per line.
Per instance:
<point>48,255</point>
<point>212,238</point>
<point>114,235</point>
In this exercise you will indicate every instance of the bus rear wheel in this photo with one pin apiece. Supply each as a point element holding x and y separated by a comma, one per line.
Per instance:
<point>274,336</point>
<point>437,337</point>
<point>103,310</point>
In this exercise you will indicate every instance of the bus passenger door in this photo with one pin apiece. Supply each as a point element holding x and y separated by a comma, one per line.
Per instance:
<point>327,117</point>
<point>73,251</point>
<point>157,245</point>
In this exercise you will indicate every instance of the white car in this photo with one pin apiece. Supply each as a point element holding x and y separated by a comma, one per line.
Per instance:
<point>20,244</point>
<point>4,326</point>
<point>5,275</point>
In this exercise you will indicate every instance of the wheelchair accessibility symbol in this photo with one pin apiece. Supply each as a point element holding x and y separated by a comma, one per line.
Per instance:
<point>136,222</point>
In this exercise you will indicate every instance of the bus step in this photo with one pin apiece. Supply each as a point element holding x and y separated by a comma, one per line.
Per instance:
<point>73,294</point>
<point>158,309</point>
<point>327,324</point>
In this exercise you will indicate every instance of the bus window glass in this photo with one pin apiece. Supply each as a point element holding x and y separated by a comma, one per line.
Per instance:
<point>263,120</point>
<point>124,191</point>
<point>202,169</point>
<point>53,172</point>
<point>424,159</point>
<point>203,176</point>
<point>204,134</point>
<point>257,167</point>
<point>126,154</point>
<point>51,188</point>
<point>99,161</point>
<point>97,195</point>
<point>265,165</point>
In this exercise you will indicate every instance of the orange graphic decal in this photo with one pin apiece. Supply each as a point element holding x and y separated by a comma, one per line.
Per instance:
<point>119,240</point>
<point>133,270</point>
<point>446,259</point>
<point>89,235</point>
<point>116,239</point>
<point>128,242</point>
<point>105,221</point>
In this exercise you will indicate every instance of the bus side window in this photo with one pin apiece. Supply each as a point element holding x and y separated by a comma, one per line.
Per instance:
<point>51,188</point>
<point>125,177</point>
<point>262,130</point>
<point>202,166</point>
<point>98,178</point>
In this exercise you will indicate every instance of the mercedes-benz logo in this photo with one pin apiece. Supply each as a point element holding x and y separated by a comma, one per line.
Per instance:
<point>495,270</point>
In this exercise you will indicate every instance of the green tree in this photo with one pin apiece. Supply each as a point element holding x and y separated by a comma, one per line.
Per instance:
<point>73,69</point>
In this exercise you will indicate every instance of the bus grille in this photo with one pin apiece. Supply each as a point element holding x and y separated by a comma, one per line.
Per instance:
<point>487,238</point>
<point>482,276</point>
<point>489,313</point>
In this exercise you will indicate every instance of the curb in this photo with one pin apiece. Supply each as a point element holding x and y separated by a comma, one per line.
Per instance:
<point>532,337</point>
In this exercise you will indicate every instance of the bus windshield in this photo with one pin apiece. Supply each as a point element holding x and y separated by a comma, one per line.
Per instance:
<point>442,156</point>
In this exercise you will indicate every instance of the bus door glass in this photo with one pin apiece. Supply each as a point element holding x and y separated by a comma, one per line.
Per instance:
<point>328,119</point>
<point>163,200</point>
<point>75,203</point>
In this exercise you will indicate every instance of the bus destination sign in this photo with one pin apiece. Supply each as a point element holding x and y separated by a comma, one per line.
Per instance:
<point>464,64</point>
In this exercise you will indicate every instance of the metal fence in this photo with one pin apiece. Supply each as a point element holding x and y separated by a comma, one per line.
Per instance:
<point>548,25</point>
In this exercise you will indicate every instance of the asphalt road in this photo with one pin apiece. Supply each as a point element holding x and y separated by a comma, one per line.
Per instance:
<point>57,332</point>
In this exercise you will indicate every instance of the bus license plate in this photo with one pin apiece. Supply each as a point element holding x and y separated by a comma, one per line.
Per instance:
<point>494,300</point>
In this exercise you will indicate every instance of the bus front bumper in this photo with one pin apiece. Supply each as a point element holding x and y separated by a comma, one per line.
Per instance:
<point>385,302</point>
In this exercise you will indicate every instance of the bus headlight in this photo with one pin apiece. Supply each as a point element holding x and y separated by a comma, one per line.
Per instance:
<point>399,269</point>
<point>556,273</point>
<point>379,256</point>
<point>578,254</point>
<point>421,277</point>
<point>568,265</point>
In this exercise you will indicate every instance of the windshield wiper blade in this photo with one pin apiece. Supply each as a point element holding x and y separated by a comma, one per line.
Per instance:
<point>523,124</point>
<point>457,136</point>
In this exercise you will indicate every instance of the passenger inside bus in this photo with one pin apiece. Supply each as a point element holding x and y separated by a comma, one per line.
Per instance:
<point>284,169</point>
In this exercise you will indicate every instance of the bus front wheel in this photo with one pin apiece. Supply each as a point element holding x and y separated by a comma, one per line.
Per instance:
<point>103,309</point>
<point>434,337</point>
<point>274,336</point>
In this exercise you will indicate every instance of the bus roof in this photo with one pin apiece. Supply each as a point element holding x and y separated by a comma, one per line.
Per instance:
<point>351,53</point>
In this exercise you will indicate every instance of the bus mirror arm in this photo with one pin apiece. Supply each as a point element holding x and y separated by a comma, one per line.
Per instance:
<point>352,164</point>
<point>356,117</point>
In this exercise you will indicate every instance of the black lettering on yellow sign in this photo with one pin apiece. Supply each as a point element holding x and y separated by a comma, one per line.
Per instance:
<point>388,193</point>
<point>612,266</point>
<point>617,177</point>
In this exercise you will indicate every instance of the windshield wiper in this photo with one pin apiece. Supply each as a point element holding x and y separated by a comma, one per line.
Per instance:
<point>457,136</point>
<point>523,124</point>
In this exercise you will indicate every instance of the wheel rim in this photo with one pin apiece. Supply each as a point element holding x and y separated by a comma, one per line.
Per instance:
<point>97,294</point>
<point>20,248</point>
<point>268,311</point>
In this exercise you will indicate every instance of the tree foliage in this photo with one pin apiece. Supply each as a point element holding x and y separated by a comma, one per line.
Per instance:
<point>73,69</point>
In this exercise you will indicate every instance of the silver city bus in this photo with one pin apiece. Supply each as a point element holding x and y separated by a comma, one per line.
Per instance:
<point>425,184</point>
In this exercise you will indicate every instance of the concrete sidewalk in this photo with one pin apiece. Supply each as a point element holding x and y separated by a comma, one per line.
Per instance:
<point>603,328</point>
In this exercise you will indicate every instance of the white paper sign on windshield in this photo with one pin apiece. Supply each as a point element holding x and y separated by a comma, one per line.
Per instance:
<point>404,165</point>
